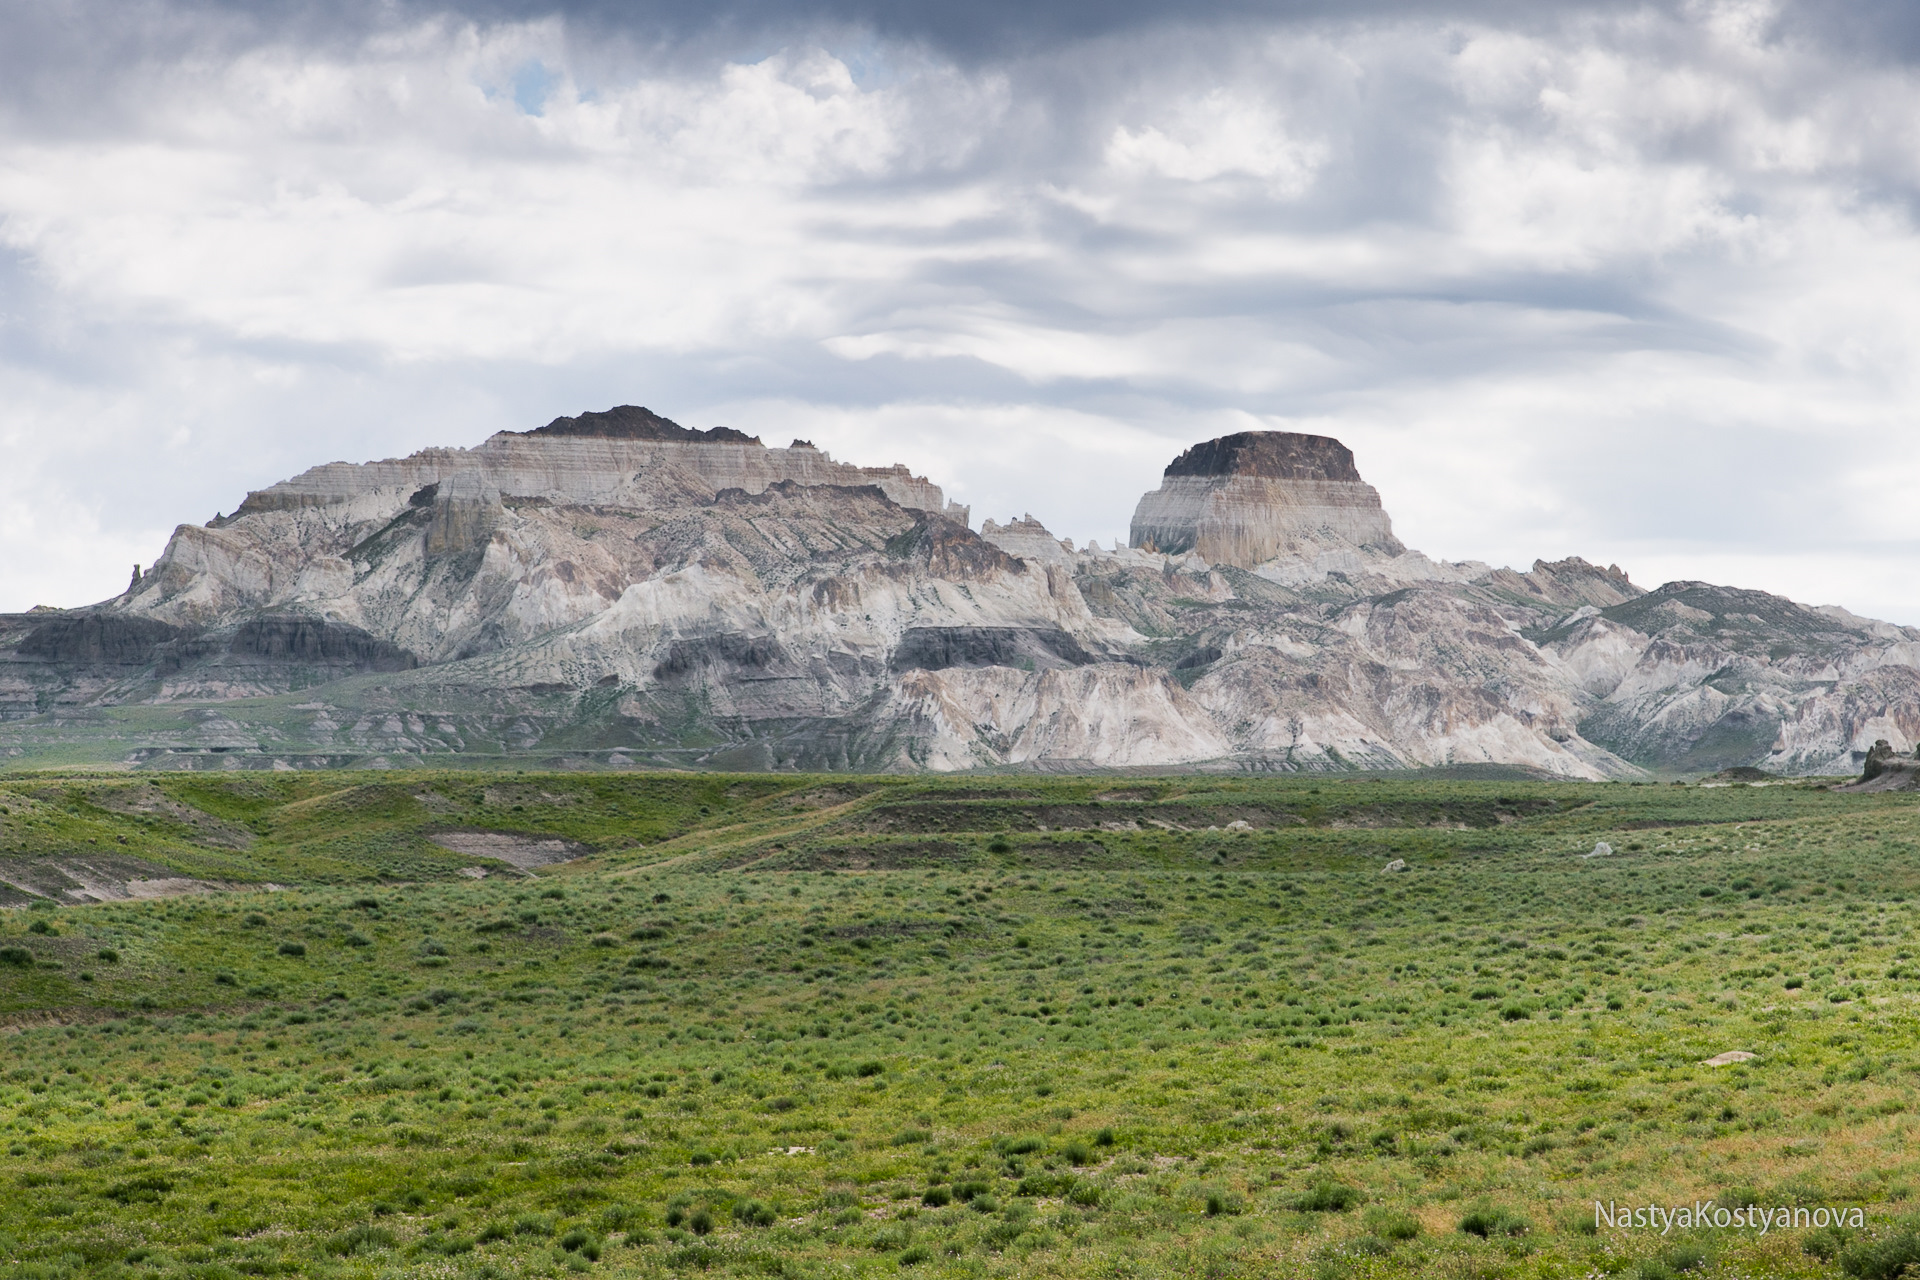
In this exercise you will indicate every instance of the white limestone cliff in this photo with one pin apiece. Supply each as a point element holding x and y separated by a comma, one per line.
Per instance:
<point>697,596</point>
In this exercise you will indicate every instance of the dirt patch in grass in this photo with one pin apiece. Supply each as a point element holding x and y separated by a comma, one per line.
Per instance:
<point>95,878</point>
<point>523,851</point>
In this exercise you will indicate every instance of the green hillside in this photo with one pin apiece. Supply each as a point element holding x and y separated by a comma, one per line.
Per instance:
<point>800,1026</point>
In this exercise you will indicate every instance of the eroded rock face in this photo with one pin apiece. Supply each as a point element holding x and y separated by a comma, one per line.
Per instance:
<point>1028,539</point>
<point>577,467</point>
<point>1887,770</point>
<point>939,648</point>
<point>679,597</point>
<point>101,656</point>
<point>93,877</point>
<point>1245,499</point>
<point>1695,677</point>
<point>1106,716</point>
<point>97,639</point>
<point>452,553</point>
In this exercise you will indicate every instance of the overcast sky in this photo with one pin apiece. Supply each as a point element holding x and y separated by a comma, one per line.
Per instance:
<point>1639,283</point>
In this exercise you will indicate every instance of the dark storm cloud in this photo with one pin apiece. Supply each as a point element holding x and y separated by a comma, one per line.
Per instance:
<point>979,28</point>
<point>998,28</point>
<point>1874,29</point>
<point>45,42</point>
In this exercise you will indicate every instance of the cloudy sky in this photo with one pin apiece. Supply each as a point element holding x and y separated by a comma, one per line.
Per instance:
<point>1637,282</point>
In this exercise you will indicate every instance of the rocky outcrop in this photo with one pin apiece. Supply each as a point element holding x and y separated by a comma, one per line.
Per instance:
<point>1882,760</point>
<point>1694,677</point>
<point>1422,676</point>
<point>1571,583</point>
<point>455,553</point>
<point>1887,770</point>
<point>579,465</point>
<point>96,638</point>
<point>1028,539</point>
<point>1269,455</point>
<point>268,654</point>
<point>631,422</point>
<point>1245,499</point>
<point>616,589</point>
<point>939,648</point>
<point>1108,716</point>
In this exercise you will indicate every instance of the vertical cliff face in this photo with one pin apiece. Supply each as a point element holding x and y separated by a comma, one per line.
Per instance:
<point>1246,499</point>
<point>453,552</point>
<point>693,597</point>
<point>639,466</point>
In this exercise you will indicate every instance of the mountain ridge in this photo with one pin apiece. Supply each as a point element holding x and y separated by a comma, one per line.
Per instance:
<point>619,589</point>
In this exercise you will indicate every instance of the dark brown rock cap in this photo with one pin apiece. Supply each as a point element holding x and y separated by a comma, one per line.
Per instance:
<point>632,422</point>
<point>1276,455</point>
<point>1883,759</point>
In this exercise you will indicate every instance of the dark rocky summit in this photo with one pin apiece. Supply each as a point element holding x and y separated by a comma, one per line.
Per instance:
<point>1274,455</point>
<point>1259,496</point>
<point>632,422</point>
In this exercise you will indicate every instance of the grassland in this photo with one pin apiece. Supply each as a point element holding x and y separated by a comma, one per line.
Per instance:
<point>800,1026</point>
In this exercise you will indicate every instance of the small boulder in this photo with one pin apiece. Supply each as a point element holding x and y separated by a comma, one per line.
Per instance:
<point>1239,824</point>
<point>1398,864</point>
<point>1600,850</point>
<point>1728,1058</point>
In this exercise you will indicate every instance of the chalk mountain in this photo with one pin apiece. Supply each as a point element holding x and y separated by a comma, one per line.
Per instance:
<point>617,589</point>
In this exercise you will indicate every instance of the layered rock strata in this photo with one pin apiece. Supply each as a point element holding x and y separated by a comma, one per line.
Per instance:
<point>1253,497</point>
<point>454,552</point>
<point>616,589</point>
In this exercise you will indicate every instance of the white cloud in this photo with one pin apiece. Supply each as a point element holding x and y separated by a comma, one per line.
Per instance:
<point>1633,287</point>
<point>1220,133</point>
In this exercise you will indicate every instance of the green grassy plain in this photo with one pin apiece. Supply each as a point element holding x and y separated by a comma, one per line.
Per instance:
<point>1000,1026</point>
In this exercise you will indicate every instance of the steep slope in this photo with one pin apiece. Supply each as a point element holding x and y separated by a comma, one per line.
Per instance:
<point>1359,670</point>
<point>614,588</point>
<point>452,552</point>
<point>1696,677</point>
<point>1246,499</point>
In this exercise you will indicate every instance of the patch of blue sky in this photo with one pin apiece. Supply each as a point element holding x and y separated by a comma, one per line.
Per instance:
<point>869,62</point>
<point>532,84</point>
